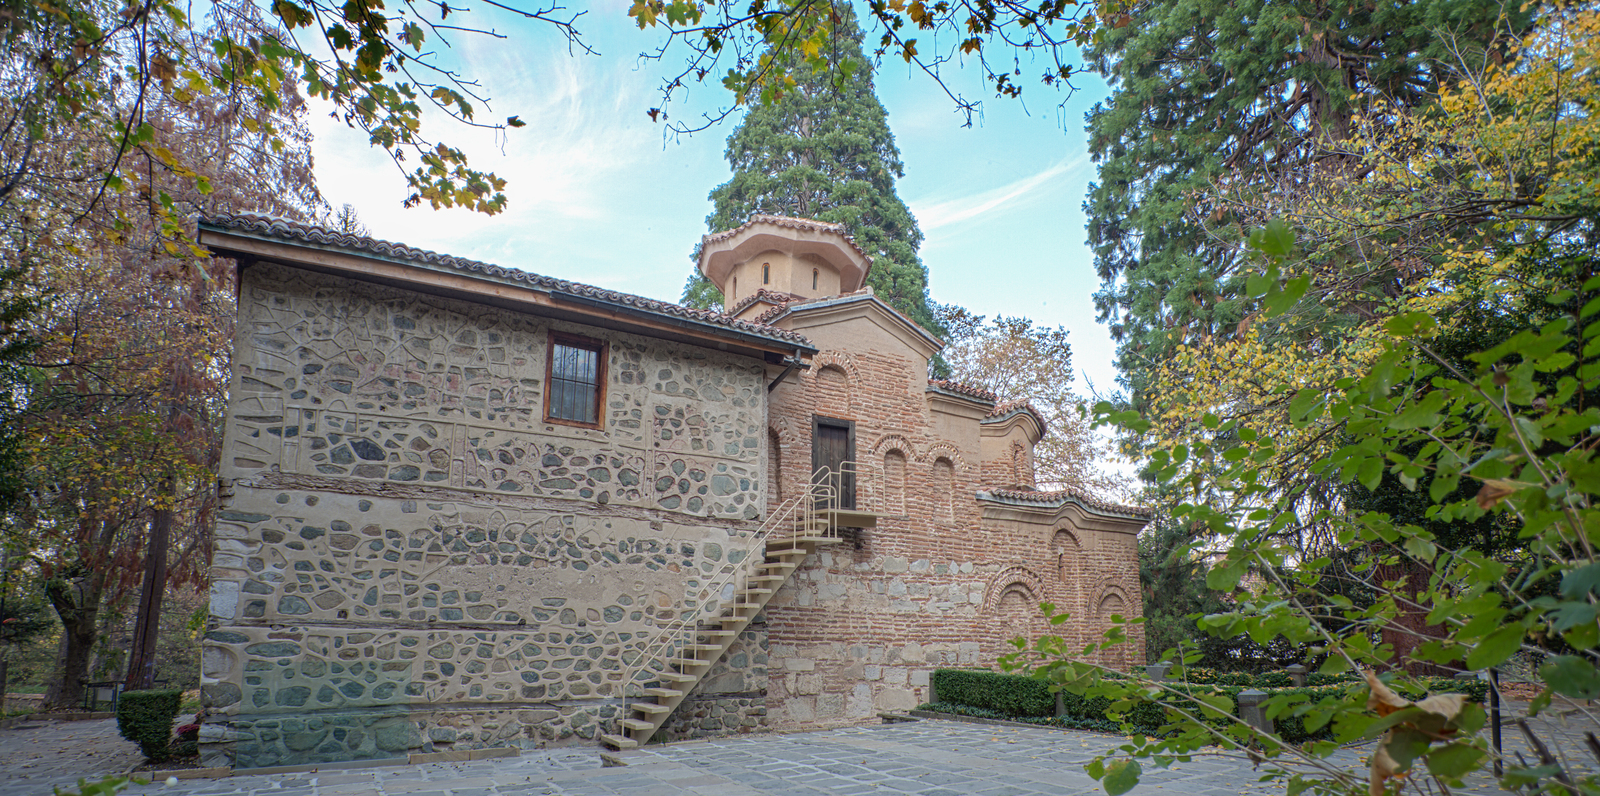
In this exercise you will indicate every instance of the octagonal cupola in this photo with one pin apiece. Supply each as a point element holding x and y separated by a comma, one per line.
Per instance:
<point>789,258</point>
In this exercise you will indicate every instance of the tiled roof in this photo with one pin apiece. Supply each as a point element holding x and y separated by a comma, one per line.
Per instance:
<point>771,314</point>
<point>769,296</point>
<point>963,389</point>
<point>787,222</point>
<point>1060,496</point>
<point>1006,409</point>
<point>285,230</point>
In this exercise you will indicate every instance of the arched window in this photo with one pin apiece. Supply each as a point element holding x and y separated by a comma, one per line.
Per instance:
<point>944,487</point>
<point>766,273</point>
<point>1112,604</point>
<point>774,472</point>
<point>1069,565</point>
<point>813,279</point>
<point>894,482</point>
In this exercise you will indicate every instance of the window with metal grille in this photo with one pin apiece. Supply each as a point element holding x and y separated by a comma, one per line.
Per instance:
<point>575,387</point>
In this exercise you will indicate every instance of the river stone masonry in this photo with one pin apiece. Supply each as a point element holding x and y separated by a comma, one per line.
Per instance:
<point>410,559</point>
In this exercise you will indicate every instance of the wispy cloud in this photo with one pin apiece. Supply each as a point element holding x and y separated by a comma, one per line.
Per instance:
<point>935,214</point>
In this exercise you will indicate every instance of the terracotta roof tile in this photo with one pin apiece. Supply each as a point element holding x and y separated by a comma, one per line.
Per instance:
<point>283,229</point>
<point>1006,409</point>
<point>788,222</point>
<point>771,314</point>
<point>968,390</point>
<point>1060,496</point>
<point>769,296</point>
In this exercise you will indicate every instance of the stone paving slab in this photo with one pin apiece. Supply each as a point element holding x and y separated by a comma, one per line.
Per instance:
<point>36,755</point>
<point>927,758</point>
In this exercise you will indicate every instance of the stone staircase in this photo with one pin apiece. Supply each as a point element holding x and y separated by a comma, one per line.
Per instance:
<point>692,660</point>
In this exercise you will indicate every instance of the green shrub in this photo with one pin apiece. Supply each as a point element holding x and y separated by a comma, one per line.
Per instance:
<point>146,718</point>
<point>976,692</point>
<point>1013,695</point>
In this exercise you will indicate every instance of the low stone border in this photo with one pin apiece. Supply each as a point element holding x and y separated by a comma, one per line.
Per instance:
<point>457,756</point>
<point>928,714</point>
<point>158,777</point>
<point>6,724</point>
<point>899,718</point>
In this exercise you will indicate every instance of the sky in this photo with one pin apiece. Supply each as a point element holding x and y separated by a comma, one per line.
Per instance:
<point>597,193</point>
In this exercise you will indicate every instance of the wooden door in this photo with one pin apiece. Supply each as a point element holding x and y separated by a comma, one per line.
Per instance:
<point>833,445</point>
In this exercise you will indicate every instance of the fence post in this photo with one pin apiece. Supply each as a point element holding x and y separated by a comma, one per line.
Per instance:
<point>1297,674</point>
<point>1251,712</point>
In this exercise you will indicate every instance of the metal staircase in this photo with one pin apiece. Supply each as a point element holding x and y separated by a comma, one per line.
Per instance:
<point>684,652</point>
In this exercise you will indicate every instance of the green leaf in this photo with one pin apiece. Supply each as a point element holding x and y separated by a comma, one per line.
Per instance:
<point>1495,648</point>
<point>1307,404</point>
<point>1370,473</point>
<point>1406,745</point>
<point>1411,324</point>
<point>1518,777</point>
<point>1569,615</point>
<point>1453,760</point>
<point>1572,676</point>
<point>1274,240</point>
<point>1121,776</point>
<point>1579,583</point>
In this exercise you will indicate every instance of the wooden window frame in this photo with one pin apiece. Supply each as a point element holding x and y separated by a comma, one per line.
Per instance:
<point>602,374</point>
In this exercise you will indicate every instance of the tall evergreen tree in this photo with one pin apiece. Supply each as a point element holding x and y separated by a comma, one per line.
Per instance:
<point>1249,97</point>
<point>823,150</point>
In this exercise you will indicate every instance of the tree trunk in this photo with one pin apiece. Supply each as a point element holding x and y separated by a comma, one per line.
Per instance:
<point>1410,629</point>
<point>79,610</point>
<point>142,657</point>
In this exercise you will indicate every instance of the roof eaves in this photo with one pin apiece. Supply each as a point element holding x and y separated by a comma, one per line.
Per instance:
<point>279,230</point>
<point>1009,409</point>
<point>1061,497</point>
<point>863,295</point>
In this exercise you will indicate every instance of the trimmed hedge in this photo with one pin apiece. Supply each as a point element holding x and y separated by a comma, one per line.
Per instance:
<point>1007,694</point>
<point>146,718</point>
<point>1012,697</point>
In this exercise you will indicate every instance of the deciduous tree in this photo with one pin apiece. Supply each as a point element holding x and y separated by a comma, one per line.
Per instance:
<point>119,403</point>
<point>1020,361</point>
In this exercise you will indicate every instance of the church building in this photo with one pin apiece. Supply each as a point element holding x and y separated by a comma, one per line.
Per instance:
<point>469,510</point>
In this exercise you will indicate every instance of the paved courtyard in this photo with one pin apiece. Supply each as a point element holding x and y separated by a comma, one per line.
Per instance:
<point>930,758</point>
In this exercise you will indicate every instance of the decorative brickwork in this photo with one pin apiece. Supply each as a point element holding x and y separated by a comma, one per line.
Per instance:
<point>947,577</point>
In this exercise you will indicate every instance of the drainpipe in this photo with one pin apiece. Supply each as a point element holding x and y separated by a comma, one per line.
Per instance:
<point>792,362</point>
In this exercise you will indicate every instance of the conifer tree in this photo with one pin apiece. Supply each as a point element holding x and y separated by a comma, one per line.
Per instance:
<point>1250,97</point>
<point>823,150</point>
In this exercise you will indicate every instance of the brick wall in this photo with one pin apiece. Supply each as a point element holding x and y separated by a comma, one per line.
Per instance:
<point>944,579</point>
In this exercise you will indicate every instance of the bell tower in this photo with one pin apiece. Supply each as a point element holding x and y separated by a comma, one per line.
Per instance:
<point>788,258</point>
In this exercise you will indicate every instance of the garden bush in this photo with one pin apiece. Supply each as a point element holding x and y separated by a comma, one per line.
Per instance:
<point>146,718</point>
<point>976,692</point>
<point>1008,694</point>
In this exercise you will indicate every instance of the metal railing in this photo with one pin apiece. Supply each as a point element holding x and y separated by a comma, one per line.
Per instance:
<point>800,515</point>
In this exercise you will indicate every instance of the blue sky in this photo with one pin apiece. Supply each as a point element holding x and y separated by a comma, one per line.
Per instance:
<point>598,195</point>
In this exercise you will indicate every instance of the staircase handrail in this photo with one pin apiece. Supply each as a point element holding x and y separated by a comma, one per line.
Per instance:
<point>684,626</point>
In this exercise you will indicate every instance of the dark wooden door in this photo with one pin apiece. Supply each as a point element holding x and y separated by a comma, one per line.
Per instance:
<point>833,445</point>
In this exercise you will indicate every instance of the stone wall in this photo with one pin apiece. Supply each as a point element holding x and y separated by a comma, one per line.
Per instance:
<point>409,559</point>
<point>731,698</point>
